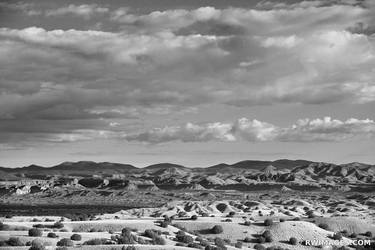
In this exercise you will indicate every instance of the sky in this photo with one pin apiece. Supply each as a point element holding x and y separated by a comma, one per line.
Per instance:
<point>193,82</point>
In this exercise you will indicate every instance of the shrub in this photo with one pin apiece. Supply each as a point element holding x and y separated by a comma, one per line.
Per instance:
<point>282,220</point>
<point>238,244</point>
<point>194,217</point>
<point>61,248</point>
<point>297,219</point>
<point>323,225</point>
<point>94,242</point>
<point>353,235</point>
<point>266,233</point>
<point>58,225</point>
<point>194,245</point>
<point>158,240</point>
<point>52,235</point>
<point>185,239</point>
<point>126,237</point>
<point>231,213</point>
<point>247,239</point>
<point>247,223</point>
<point>39,226</point>
<point>76,237</point>
<point>37,245</point>
<point>368,234</point>
<point>259,247</point>
<point>3,227</point>
<point>268,238</point>
<point>35,232</point>
<point>293,241</point>
<point>219,242</point>
<point>261,239</point>
<point>337,236</point>
<point>65,243</point>
<point>217,229</point>
<point>14,242</point>
<point>128,248</point>
<point>164,224</point>
<point>268,222</point>
<point>8,216</point>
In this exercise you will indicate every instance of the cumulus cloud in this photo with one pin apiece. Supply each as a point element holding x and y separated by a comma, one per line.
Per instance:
<point>304,130</point>
<point>25,8</point>
<point>169,61</point>
<point>84,10</point>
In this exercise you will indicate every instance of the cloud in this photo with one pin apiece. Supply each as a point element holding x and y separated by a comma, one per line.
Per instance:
<point>304,130</point>
<point>25,8</point>
<point>172,61</point>
<point>84,10</point>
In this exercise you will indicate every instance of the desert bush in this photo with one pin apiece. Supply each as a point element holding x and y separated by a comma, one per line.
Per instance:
<point>3,227</point>
<point>205,215</point>
<point>259,247</point>
<point>185,239</point>
<point>39,226</point>
<point>261,239</point>
<point>164,224</point>
<point>76,237</point>
<point>14,242</point>
<point>353,235</point>
<point>219,242</point>
<point>247,239</point>
<point>268,238</point>
<point>268,222</point>
<point>231,213</point>
<point>52,235</point>
<point>368,234</point>
<point>217,229</point>
<point>35,232</point>
<point>37,245</point>
<point>282,220</point>
<point>61,248</point>
<point>158,240</point>
<point>266,233</point>
<point>323,225</point>
<point>337,236</point>
<point>293,241</point>
<point>194,217</point>
<point>94,242</point>
<point>238,244</point>
<point>128,248</point>
<point>297,219</point>
<point>126,237</point>
<point>194,245</point>
<point>247,223</point>
<point>58,225</point>
<point>65,242</point>
<point>8,216</point>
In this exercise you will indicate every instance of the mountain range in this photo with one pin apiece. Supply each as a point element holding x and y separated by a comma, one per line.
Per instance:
<point>238,175</point>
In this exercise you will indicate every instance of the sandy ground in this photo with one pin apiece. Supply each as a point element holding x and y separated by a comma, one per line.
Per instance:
<point>352,216</point>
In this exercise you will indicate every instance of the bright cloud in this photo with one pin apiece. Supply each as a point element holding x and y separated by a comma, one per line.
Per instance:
<point>304,130</point>
<point>84,10</point>
<point>168,61</point>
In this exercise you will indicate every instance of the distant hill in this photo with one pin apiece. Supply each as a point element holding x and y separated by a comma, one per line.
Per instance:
<point>259,165</point>
<point>276,170</point>
<point>164,166</point>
